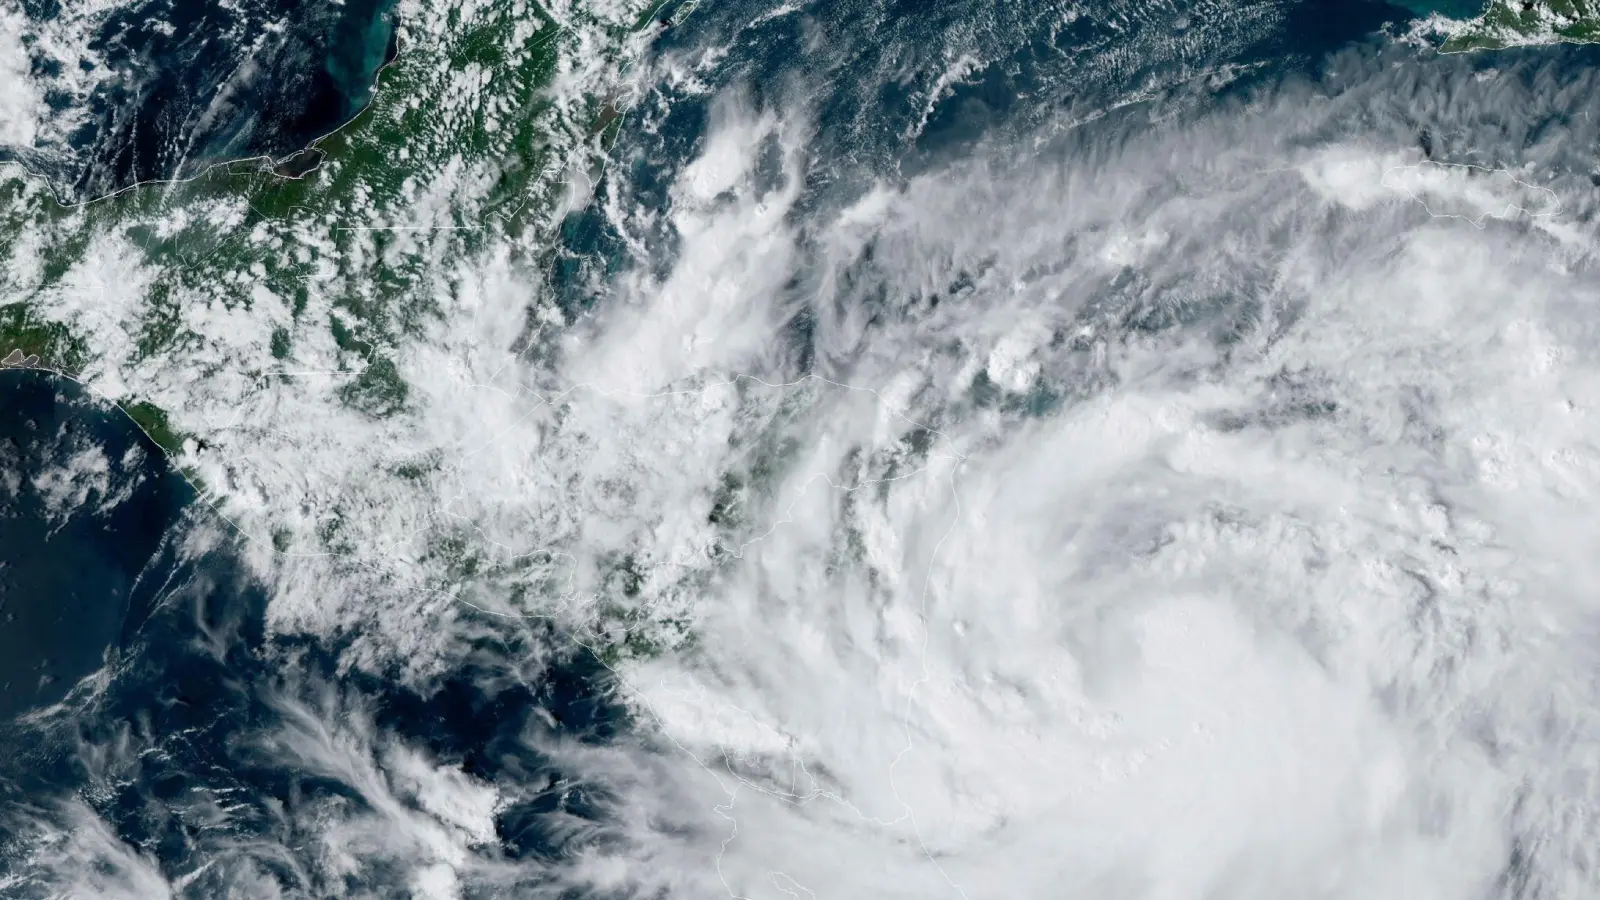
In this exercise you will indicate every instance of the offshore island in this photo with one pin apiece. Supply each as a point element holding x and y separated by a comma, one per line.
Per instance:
<point>1513,23</point>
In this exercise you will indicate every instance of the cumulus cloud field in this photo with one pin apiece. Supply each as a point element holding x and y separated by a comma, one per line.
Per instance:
<point>1162,506</point>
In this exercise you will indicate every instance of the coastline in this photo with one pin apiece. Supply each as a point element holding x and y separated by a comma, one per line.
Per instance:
<point>269,164</point>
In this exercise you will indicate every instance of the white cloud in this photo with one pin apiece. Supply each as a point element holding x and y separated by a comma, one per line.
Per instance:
<point>22,106</point>
<point>1225,623</point>
<point>1260,567</point>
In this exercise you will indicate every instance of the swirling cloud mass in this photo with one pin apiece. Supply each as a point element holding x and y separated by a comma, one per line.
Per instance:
<point>907,459</point>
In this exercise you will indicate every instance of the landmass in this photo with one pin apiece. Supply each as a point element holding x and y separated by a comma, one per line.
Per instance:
<point>1471,193</point>
<point>302,335</point>
<point>1510,23</point>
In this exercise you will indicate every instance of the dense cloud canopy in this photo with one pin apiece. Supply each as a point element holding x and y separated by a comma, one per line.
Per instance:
<point>1021,451</point>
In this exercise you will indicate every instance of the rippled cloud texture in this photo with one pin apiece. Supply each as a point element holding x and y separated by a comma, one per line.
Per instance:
<point>1191,499</point>
<point>1219,524</point>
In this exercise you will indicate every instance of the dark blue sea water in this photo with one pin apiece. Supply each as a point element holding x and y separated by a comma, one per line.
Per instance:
<point>188,83</point>
<point>176,739</point>
<point>1455,9</point>
<point>875,125</point>
<point>186,698</point>
<point>75,583</point>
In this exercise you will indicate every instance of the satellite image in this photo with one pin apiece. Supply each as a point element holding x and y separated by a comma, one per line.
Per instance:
<point>800,449</point>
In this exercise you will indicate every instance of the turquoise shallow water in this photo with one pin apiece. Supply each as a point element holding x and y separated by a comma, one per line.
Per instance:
<point>153,108</point>
<point>194,708</point>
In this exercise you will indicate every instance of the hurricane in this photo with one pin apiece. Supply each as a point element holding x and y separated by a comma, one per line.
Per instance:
<point>828,449</point>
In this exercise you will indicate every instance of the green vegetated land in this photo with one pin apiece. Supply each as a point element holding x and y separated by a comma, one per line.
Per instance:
<point>1506,23</point>
<point>318,229</point>
<point>338,260</point>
